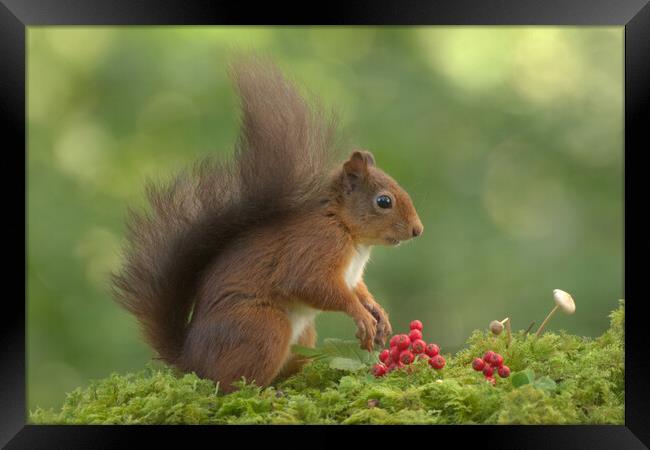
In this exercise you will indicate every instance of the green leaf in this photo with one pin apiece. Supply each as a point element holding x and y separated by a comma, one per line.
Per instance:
<point>348,364</point>
<point>545,383</point>
<point>340,354</point>
<point>524,377</point>
<point>306,351</point>
<point>347,349</point>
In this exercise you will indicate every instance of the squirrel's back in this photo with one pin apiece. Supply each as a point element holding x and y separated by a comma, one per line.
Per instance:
<point>282,158</point>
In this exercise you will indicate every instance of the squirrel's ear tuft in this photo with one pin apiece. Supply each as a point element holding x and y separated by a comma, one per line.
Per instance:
<point>368,157</point>
<point>359,162</point>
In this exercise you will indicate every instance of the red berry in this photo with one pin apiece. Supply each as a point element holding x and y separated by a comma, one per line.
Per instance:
<point>403,342</point>
<point>491,380</point>
<point>415,334</point>
<point>423,356</point>
<point>379,370</point>
<point>504,371</point>
<point>432,350</point>
<point>497,360</point>
<point>392,366</point>
<point>418,346</point>
<point>406,357</point>
<point>416,325</point>
<point>394,354</point>
<point>384,356</point>
<point>393,340</point>
<point>488,357</point>
<point>437,362</point>
<point>488,370</point>
<point>478,364</point>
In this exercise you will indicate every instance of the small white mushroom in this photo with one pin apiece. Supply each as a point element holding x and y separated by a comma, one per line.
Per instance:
<point>563,301</point>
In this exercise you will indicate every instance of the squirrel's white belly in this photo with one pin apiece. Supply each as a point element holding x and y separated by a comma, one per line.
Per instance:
<point>300,316</point>
<point>354,271</point>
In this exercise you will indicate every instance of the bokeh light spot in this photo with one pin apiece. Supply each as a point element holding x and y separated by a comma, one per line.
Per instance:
<point>546,67</point>
<point>81,46</point>
<point>82,150</point>
<point>474,58</point>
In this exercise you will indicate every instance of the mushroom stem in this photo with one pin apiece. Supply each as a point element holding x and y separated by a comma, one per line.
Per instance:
<point>508,330</point>
<point>541,327</point>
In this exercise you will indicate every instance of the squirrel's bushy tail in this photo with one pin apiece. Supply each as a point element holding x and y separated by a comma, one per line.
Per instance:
<point>281,160</point>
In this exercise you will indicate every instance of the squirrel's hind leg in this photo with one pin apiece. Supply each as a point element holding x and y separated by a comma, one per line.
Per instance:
<point>247,339</point>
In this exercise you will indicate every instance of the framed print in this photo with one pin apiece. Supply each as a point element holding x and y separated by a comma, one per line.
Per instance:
<point>371,216</point>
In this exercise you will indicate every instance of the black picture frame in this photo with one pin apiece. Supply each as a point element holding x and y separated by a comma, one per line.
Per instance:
<point>16,15</point>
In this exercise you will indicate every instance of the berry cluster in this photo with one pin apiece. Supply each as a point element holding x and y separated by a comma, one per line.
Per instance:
<point>404,348</point>
<point>490,363</point>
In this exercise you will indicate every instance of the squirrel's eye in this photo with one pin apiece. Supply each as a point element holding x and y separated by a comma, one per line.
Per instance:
<point>384,201</point>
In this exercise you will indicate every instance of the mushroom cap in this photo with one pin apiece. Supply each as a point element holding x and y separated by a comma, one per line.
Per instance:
<point>564,301</point>
<point>496,327</point>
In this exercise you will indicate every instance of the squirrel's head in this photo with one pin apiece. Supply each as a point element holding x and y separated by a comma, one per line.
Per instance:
<point>374,206</point>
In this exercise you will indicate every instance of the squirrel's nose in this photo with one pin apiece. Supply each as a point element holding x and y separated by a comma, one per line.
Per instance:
<point>417,230</point>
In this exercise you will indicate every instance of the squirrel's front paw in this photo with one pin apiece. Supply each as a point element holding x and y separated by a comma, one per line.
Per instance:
<point>366,331</point>
<point>384,328</point>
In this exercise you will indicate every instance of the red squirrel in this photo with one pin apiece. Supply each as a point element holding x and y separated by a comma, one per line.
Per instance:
<point>235,259</point>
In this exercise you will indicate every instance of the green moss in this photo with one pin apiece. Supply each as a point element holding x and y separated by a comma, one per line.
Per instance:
<point>588,375</point>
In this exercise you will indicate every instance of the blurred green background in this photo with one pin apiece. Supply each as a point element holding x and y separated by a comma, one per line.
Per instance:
<point>510,140</point>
